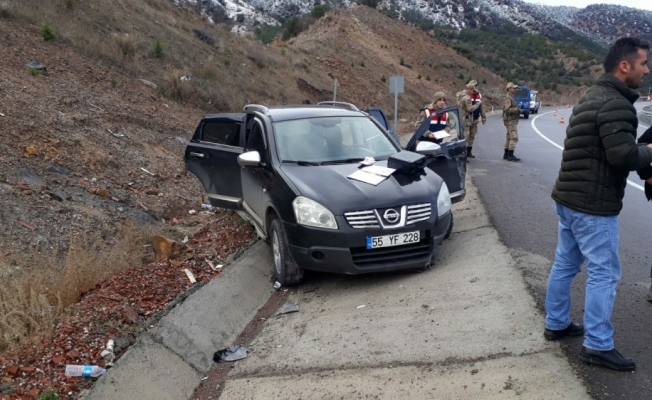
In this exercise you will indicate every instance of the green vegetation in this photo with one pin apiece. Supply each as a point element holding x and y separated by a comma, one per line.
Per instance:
<point>292,28</point>
<point>319,11</point>
<point>48,395</point>
<point>157,50</point>
<point>47,33</point>
<point>267,33</point>
<point>521,57</point>
<point>370,3</point>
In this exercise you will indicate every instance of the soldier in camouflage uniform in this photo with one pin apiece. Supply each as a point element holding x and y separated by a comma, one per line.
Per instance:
<point>472,113</point>
<point>511,114</point>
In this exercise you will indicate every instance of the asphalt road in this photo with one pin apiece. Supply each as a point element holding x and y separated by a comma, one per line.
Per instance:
<point>517,196</point>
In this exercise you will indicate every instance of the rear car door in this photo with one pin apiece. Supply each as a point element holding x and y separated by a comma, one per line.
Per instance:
<point>450,163</point>
<point>212,156</point>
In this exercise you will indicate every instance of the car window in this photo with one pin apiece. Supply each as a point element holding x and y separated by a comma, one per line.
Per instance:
<point>256,142</point>
<point>520,93</point>
<point>453,128</point>
<point>222,132</point>
<point>331,139</point>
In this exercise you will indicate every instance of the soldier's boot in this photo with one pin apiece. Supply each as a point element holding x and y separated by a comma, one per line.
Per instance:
<point>511,156</point>
<point>506,154</point>
<point>469,152</point>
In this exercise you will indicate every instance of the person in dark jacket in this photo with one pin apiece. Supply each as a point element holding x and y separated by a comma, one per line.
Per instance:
<point>646,175</point>
<point>599,151</point>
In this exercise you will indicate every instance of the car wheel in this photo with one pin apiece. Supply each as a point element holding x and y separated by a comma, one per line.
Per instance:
<point>450,228</point>
<point>287,271</point>
<point>526,115</point>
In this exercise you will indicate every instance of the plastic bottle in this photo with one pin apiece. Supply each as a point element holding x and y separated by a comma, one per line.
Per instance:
<point>84,370</point>
<point>207,206</point>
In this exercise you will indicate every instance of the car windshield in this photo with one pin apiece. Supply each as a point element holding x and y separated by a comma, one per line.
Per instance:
<point>331,139</point>
<point>520,94</point>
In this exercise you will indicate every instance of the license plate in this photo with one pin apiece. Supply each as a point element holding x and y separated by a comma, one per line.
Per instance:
<point>374,242</point>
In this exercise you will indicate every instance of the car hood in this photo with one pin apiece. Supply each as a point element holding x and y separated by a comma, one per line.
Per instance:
<point>329,186</point>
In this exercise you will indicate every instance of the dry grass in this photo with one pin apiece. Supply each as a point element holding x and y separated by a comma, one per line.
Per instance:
<point>127,44</point>
<point>31,298</point>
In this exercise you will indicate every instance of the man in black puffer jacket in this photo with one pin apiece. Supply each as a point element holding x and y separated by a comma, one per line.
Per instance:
<point>599,151</point>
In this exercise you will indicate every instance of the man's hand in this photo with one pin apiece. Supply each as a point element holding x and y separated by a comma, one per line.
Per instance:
<point>484,121</point>
<point>649,145</point>
<point>648,181</point>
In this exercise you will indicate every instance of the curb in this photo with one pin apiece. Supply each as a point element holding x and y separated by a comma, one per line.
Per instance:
<point>169,361</point>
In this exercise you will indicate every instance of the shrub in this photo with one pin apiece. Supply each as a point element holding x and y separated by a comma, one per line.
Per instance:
<point>402,62</point>
<point>157,51</point>
<point>484,81</point>
<point>419,76</point>
<point>227,62</point>
<point>292,28</point>
<point>319,11</point>
<point>240,18</point>
<point>370,3</point>
<point>114,83</point>
<point>267,33</point>
<point>48,395</point>
<point>46,32</point>
<point>204,36</point>
<point>383,79</point>
<point>5,10</point>
<point>69,4</point>
<point>460,76</point>
<point>362,64</point>
<point>34,72</point>
<point>220,15</point>
<point>127,45</point>
<point>427,77</point>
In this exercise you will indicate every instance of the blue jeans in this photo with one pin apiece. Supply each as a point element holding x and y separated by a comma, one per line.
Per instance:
<point>594,239</point>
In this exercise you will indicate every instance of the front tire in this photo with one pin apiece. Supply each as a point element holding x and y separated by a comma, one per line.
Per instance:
<point>450,228</point>
<point>287,271</point>
<point>526,115</point>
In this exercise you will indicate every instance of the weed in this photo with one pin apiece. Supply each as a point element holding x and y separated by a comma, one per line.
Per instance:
<point>32,297</point>
<point>402,62</point>
<point>342,30</point>
<point>114,83</point>
<point>157,51</point>
<point>227,62</point>
<point>5,9</point>
<point>34,72</point>
<point>383,79</point>
<point>460,76</point>
<point>46,33</point>
<point>362,64</point>
<point>427,77</point>
<point>484,81</point>
<point>127,45</point>
<point>319,11</point>
<point>283,51</point>
<point>419,76</point>
<point>48,395</point>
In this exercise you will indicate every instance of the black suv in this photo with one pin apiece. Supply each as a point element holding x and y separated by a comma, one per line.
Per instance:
<point>293,172</point>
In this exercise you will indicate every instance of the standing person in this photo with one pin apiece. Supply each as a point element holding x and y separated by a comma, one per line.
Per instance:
<point>599,151</point>
<point>646,175</point>
<point>511,114</point>
<point>439,123</point>
<point>472,113</point>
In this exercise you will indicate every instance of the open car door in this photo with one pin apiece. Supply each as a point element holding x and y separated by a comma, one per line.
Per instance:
<point>212,156</point>
<point>450,162</point>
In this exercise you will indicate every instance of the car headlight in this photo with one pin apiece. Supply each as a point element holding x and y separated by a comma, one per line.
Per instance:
<point>310,213</point>
<point>443,200</point>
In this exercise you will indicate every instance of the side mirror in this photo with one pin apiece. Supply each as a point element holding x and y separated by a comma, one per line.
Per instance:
<point>428,148</point>
<point>249,159</point>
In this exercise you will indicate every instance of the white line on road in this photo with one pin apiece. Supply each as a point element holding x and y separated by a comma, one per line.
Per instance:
<point>633,184</point>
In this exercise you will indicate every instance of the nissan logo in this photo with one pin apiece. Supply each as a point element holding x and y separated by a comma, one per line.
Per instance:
<point>391,215</point>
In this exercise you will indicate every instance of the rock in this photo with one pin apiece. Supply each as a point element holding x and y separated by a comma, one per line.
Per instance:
<point>130,314</point>
<point>121,342</point>
<point>402,120</point>
<point>73,354</point>
<point>11,371</point>
<point>26,192</point>
<point>148,84</point>
<point>58,359</point>
<point>34,393</point>
<point>28,370</point>
<point>166,248</point>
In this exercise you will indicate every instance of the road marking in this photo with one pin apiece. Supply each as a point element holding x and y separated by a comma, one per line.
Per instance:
<point>633,184</point>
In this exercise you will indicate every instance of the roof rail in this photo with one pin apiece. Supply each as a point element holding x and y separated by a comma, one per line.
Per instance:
<point>256,107</point>
<point>341,104</point>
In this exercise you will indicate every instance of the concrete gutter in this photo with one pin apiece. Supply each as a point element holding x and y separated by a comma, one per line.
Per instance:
<point>169,361</point>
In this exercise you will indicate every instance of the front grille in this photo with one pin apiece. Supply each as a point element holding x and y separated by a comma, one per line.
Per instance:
<point>369,218</point>
<point>362,219</point>
<point>363,257</point>
<point>418,212</point>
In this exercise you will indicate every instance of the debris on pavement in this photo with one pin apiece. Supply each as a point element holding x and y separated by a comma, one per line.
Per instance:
<point>108,353</point>
<point>277,285</point>
<point>147,171</point>
<point>36,66</point>
<point>288,308</point>
<point>192,212</point>
<point>474,280</point>
<point>191,277</point>
<point>85,371</point>
<point>233,353</point>
<point>362,306</point>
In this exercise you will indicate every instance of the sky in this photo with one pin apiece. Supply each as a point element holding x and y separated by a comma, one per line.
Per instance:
<point>643,4</point>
